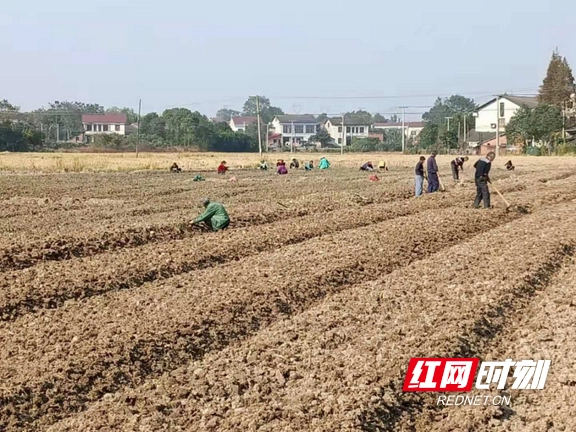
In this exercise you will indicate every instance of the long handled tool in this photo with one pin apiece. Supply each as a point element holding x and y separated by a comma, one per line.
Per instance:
<point>517,208</point>
<point>508,205</point>
<point>442,188</point>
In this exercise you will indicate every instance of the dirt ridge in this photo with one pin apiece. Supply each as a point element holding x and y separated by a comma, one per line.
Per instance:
<point>393,408</point>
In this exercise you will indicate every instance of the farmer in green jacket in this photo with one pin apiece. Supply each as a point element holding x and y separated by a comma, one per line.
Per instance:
<point>324,164</point>
<point>215,216</point>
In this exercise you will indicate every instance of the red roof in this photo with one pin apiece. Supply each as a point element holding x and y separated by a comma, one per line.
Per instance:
<point>105,118</point>
<point>244,120</point>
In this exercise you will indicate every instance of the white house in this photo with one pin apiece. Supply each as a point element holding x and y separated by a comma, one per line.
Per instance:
<point>353,129</point>
<point>295,128</point>
<point>488,114</point>
<point>411,129</point>
<point>239,124</point>
<point>95,124</point>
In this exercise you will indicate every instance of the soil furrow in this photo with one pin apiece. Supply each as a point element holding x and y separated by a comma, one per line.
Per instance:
<point>189,321</point>
<point>544,330</point>
<point>337,365</point>
<point>34,289</point>
<point>62,248</point>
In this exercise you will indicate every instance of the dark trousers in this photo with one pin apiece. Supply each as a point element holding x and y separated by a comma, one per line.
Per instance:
<point>211,227</point>
<point>482,193</point>
<point>433,182</point>
<point>455,172</point>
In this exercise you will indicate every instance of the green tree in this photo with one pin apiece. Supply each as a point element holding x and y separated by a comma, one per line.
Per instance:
<point>267,111</point>
<point>359,117</point>
<point>429,135</point>
<point>392,140</point>
<point>379,118</point>
<point>322,136</point>
<point>152,126</point>
<point>558,85</point>
<point>63,118</point>
<point>449,139</point>
<point>455,106</point>
<point>541,124</point>
<point>322,118</point>
<point>7,106</point>
<point>226,114</point>
<point>130,113</point>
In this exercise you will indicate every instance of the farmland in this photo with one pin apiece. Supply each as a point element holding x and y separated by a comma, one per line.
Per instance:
<point>117,315</point>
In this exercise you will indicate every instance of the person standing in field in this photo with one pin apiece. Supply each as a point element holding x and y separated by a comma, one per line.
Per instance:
<point>419,176</point>
<point>457,165</point>
<point>432,171</point>
<point>482,178</point>
<point>323,164</point>
<point>215,216</point>
<point>222,168</point>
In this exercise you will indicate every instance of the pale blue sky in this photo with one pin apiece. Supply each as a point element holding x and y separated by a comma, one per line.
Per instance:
<point>206,54</point>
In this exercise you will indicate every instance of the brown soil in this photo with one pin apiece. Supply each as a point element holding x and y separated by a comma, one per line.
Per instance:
<point>301,316</point>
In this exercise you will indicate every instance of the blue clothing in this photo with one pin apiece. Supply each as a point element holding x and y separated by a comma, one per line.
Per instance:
<point>433,182</point>
<point>431,165</point>
<point>419,181</point>
<point>324,164</point>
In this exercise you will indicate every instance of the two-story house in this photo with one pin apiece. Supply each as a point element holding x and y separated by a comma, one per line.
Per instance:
<point>354,129</point>
<point>295,129</point>
<point>239,124</point>
<point>501,111</point>
<point>95,124</point>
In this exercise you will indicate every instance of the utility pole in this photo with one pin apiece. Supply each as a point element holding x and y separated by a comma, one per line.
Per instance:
<point>343,136</point>
<point>464,137</point>
<point>498,125</point>
<point>403,129</point>
<point>57,131</point>
<point>259,131</point>
<point>138,131</point>
<point>449,118</point>
<point>292,138</point>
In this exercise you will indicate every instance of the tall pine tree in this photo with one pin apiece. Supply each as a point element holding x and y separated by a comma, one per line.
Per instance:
<point>558,85</point>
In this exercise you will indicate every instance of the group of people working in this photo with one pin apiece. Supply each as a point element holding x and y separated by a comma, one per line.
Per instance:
<point>215,216</point>
<point>294,164</point>
<point>481,175</point>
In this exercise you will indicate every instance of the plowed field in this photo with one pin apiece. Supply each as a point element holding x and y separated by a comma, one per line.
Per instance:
<point>117,315</point>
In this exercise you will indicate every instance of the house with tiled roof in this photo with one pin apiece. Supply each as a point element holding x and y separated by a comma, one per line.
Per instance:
<point>240,123</point>
<point>501,111</point>
<point>353,129</point>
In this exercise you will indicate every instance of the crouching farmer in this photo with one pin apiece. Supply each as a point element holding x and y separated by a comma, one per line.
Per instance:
<point>215,216</point>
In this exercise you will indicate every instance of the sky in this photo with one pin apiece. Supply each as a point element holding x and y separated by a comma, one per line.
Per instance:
<point>306,56</point>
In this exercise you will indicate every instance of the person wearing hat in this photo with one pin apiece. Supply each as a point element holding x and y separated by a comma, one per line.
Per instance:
<point>215,216</point>
<point>432,170</point>
<point>458,165</point>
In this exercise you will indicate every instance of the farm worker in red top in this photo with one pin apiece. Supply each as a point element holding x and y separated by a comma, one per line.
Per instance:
<point>222,168</point>
<point>215,217</point>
